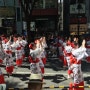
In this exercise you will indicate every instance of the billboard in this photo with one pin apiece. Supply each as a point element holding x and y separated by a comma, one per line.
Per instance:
<point>82,27</point>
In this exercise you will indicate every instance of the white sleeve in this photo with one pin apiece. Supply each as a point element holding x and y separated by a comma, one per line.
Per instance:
<point>13,45</point>
<point>79,53</point>
<point>35,52</point>
<point>23,43</point>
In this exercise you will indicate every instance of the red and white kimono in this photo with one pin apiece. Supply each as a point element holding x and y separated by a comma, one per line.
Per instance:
<point>43,53</point>
<point>2,80</point>
<point>78,55</point>
<point>34,61</point>
<point>88,50</point>
<point>1,54</point>
<point>23,43</point>
<point>8,58</point>
<point>68,56</point>
<point>61,48</point>
<point>18,52</point>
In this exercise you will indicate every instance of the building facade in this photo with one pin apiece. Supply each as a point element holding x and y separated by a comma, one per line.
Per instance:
<point>77,16</point>
<point>44,17</point>
<point>7,16</point>
<point>78,19</point>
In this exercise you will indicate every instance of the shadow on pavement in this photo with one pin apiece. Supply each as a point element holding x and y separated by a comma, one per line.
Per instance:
<point>56,78</point>
<point>85,66</point>
<point>23,77</point>
<point>11,85</point>
<point>87,79</point>
<point>54,64</point>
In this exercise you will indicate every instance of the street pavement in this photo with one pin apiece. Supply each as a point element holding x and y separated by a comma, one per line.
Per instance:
<point>55,75</point>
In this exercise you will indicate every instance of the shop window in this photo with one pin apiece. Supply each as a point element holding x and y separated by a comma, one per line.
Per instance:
<point>39,4</point>
<point>50,3</point>
<point>45,25</point>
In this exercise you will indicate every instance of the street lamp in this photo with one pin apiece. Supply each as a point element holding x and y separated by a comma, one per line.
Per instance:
<point>79,7</point>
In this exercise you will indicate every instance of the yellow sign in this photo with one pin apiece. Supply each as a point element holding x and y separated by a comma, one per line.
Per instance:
<point>7,11</point>
<point>82,27</point>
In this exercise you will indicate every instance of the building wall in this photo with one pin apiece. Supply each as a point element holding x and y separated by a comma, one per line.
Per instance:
<point>7,15</point>
<point>78,19</point>
<point>88,14</point>
<point>45,8</point>
<point>66,16</point>
<point>9,10</point>
<point>45,16</point>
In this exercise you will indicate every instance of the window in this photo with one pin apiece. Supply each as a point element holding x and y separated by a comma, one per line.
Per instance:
<point>46,4</point>
<point>39,4</point>
<point>50,3</point>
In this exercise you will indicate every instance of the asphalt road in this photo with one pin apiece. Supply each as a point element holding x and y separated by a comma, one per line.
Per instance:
<point>55,75</point>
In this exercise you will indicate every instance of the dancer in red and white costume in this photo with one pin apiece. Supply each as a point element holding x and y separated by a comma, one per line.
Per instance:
<point>43,53</point>
<point>23,43</point>
<point>18,51</point>
<point>39,45</point>
<point>1,53</point>
<point>68,55</point>
<point>61,48</point>
<point>34,59</point>
<point>8,56</point>
<point>78,55</point>
<point>88,49</point>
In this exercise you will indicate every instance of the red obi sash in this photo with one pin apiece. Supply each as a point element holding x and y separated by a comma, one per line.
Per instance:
<point>33,61</point>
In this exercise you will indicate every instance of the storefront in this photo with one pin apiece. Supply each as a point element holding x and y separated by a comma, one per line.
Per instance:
<point>78,19</point>
<point>7,20</point>
<point>44,17</point>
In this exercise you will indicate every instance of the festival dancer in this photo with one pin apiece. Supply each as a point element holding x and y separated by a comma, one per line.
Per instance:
<point>8,56</point>
<point>23,43</point>
<point>18,52</point>
<point>61,48</point>
<point>43,53</point>
<point>88,49</point>
<point>1,53</point>
<point>34,59</point>
<point>40,45</point>
<point>78,54</point>
<point>68,55</point>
